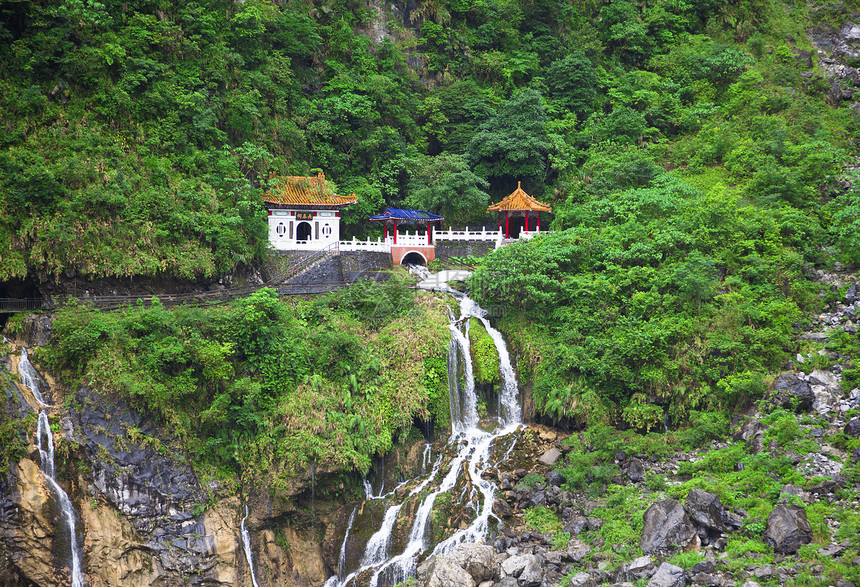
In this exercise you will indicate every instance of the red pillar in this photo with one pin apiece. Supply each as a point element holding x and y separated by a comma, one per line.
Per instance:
<point>538,223</point>
<point>428,233</point>
<point>385,224</point>
<point>527,220</point>
<point>395,232</point>
<point>507,225</point>
<point>500,222</point>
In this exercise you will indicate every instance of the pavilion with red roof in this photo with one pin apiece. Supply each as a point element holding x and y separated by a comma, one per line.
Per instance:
<point>517,209</point>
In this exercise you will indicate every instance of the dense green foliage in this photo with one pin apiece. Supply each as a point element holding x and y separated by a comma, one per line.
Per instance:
<point>138,136</point>
<point>263,386</point>
<point>688,150</point>
<point>660,298</point>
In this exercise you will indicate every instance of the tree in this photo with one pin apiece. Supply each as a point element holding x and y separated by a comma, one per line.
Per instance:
<point>572,81</point>
<point>447,185</point>
<point>513,144</point>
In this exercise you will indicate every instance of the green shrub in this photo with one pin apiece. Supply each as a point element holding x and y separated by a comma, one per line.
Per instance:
<point>542,519</point>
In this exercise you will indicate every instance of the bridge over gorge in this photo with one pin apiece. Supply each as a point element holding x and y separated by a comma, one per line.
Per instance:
<point>281,282</point>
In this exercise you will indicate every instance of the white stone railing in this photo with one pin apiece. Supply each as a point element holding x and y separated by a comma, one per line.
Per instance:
<point>419,238</point>
<point>467,235</point>
<point>407,239</point>
<point>368,245</point>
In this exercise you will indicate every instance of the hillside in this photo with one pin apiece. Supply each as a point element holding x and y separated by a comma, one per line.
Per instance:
<point>137,136</point>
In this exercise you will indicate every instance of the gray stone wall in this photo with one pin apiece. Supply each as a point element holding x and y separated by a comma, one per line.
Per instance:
<point>347,267</point>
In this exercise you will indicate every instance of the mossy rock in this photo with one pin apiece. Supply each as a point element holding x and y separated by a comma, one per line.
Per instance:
<point>485,357</point>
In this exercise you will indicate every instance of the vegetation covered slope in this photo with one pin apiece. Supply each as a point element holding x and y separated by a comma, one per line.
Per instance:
<point>137,136</point>
<point>261,389</point>
<point>689,151</point>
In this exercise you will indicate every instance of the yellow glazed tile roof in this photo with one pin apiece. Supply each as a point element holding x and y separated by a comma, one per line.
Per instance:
<point>294,190</point>
<point>519,201</point>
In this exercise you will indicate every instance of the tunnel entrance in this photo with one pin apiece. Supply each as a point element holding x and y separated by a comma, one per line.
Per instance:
<point>17,289</point>
<point>413,258</point>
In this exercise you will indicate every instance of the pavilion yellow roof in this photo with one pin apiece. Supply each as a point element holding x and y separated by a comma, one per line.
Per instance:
<point>295,190</point>
<point>519,201</point>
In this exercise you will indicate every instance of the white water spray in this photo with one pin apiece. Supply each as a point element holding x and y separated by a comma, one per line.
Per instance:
<point>45,442</point>
<point>30,378</point>
<point>246,543</point>
<point>473,447</point>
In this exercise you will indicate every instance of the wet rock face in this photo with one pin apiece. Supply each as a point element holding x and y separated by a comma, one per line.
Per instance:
<point>136,479</point>
<point>705,509</point>
<point>666,527</point>
<point>146,530</point>
<point>27,528</point>
<point>792,392</point>
<point>36,329</point>
<point>787,529</point>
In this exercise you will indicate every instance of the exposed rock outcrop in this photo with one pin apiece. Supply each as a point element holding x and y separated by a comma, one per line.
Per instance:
<point>667,527</point>
<point>788,529</point>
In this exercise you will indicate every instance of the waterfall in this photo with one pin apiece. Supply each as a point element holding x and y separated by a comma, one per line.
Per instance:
<point>45,442</point>
<point>341,559</point>
<point>246,543</point>
<point>425,457</point>
<point>30,378</point>
<point>472,446</point>
<point>377,547</point>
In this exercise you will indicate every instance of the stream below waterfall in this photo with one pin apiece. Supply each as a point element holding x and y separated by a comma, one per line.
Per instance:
<point>68,539</point>
<point>469,450</point>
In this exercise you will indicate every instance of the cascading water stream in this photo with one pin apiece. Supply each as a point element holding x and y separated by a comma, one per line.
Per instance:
<point>45,443</point>
<point>30,378</point>
<point>246,543</point>
<point>473,447</point>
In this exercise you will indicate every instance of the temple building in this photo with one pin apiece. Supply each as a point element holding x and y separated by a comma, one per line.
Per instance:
<point>304,213</point>
<point>519,212</point>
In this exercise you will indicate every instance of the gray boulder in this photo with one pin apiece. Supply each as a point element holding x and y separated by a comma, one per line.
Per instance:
<point>527,568</point>
<point>639,568</point>
<point>479,560</point>
<point>787,529</point>
<point>550,457</point>
<point>577,525</point>
<point>513,566</point>
<point>705,509</point>
<point>577,550</point>
<point>582,579</point>
<point>532,575</point>
<point>636,471</point>
<point>502,509</point>
<point>852,428</point>
<point>790,391</point>
<point>667,526</point>
<point>443,571</point>
<point>853,294</point>
<point>668,575</point>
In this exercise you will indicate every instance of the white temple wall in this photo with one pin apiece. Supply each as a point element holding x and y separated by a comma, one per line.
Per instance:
<point>308,230</point>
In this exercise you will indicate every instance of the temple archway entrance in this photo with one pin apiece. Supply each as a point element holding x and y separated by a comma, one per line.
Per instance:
<point>303,231</point>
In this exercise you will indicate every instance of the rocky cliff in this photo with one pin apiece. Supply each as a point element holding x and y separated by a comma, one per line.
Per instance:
<point>144,515</point>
